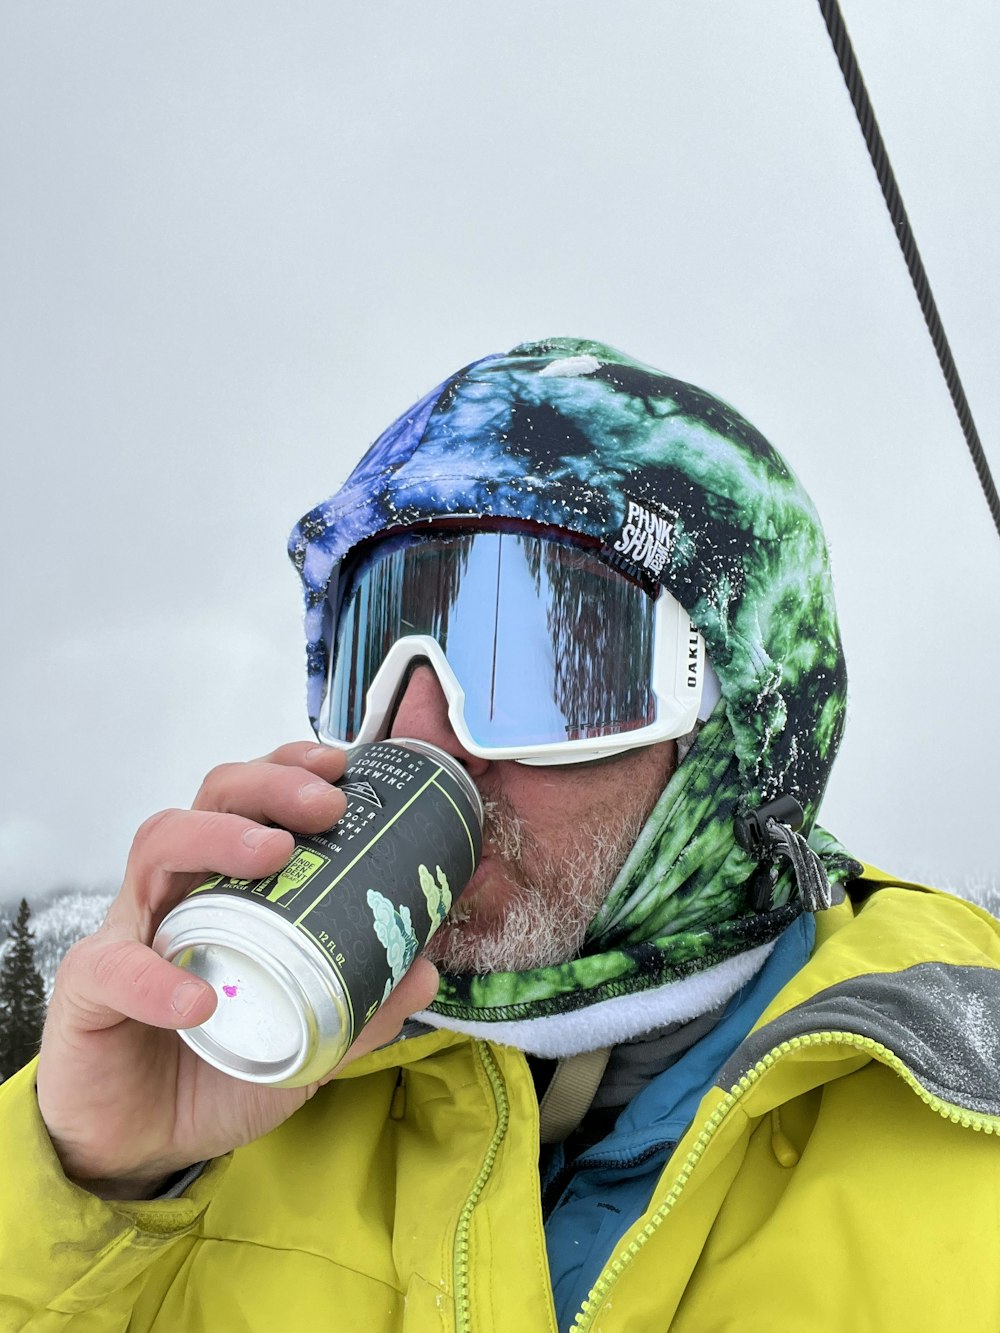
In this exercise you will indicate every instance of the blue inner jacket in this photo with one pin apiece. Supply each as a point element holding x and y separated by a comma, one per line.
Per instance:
<point>613,1181</point>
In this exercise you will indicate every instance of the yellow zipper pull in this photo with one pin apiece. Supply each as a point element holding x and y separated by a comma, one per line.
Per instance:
<point>785,1151</point>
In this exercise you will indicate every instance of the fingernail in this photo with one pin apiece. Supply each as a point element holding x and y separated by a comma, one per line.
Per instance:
<point>185,997</point>
<point>314,791</point>
<point>254,837</point>
<point>318,752</point>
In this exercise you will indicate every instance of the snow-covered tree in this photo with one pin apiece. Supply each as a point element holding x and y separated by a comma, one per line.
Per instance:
<point>22,997</point>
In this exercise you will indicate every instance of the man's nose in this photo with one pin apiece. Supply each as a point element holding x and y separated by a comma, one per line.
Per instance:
<point>423,715</point>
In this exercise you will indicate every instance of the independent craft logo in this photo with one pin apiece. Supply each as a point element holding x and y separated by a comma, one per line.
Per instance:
<point>646,537</point>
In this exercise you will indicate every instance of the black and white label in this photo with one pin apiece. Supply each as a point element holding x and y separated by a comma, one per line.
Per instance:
<point>646,537</point>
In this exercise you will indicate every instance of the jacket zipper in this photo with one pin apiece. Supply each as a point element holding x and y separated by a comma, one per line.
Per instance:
<point>958,1115</point>
<point>463,1303</point>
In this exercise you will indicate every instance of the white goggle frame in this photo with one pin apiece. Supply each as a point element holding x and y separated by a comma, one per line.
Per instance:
<point>685,686</point>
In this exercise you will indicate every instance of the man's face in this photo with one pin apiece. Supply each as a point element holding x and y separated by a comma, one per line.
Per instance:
<point>554,840</point>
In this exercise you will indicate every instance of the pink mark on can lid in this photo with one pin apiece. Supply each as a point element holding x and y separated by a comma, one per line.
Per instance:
<point>230,991</point>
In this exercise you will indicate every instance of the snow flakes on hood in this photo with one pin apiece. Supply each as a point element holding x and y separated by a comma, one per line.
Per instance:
<point>572,365</point>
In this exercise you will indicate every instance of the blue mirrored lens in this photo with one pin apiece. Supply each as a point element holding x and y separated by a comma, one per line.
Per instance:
<point>548,643</point>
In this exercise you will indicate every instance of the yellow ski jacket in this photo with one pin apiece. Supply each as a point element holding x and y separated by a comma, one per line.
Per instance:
<point>844,1175</point>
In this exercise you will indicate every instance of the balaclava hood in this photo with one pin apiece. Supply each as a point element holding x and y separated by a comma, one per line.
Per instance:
<point>682,491</point>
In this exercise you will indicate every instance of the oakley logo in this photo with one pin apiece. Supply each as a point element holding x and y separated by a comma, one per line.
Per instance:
<point>646,537</point>
<point>692,663</point>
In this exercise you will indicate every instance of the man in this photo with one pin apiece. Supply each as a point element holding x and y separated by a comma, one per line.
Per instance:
<point>683,1067</point>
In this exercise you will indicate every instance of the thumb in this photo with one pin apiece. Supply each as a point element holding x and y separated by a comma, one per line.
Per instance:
<point>104,979</point>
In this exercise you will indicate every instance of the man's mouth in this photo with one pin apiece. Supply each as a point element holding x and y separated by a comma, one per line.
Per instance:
<point>491,867</point>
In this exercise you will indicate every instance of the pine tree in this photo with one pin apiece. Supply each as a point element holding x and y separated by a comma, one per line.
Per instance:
<point>22,997</point>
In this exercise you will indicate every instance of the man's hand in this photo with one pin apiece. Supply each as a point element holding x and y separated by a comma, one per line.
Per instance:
<point>126,1102</point>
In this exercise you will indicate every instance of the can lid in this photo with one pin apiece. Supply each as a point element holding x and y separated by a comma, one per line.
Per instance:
<point>280,1017</point>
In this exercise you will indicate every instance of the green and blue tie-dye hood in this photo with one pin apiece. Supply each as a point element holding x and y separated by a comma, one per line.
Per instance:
<point>680,490</point>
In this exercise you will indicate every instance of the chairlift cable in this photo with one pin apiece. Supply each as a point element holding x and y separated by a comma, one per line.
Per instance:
<point>904,234</point>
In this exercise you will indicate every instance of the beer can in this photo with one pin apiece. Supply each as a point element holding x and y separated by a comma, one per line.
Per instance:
<point>302,959</point>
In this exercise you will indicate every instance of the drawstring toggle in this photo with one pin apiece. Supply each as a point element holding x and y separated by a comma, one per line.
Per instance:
<point>772,831</point>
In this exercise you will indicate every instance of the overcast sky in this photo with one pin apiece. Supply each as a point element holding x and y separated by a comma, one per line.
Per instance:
<point>237,239</point>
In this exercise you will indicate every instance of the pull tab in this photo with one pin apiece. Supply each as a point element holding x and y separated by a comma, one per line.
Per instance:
<point>772,830</point>
<point>785,1152</point>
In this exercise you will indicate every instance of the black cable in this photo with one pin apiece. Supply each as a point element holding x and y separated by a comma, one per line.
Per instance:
<point>904,234</point>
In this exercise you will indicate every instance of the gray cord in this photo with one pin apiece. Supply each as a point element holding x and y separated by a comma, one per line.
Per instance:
<point>904,234</point>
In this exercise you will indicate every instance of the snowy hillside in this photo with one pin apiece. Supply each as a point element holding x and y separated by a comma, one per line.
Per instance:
<point>985,893</point>
<point>56,923</point>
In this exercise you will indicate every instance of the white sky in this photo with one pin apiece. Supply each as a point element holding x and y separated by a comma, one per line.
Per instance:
<point>236,241</point>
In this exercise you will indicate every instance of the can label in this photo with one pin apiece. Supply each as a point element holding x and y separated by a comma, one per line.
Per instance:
<point>371,891</point>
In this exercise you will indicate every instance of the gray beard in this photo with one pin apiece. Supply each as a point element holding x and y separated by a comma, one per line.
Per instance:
<point>554,900</point>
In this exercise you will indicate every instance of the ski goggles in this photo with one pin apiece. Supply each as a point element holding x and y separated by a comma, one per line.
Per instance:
<point>544,653</point>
